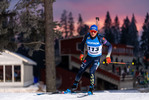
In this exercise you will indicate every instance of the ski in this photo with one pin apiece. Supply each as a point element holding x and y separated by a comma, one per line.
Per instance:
<point>40,93</point>
<point>68,91</point>
<point>78,93</point>
<point>50,93</point>
<point>84,95</point>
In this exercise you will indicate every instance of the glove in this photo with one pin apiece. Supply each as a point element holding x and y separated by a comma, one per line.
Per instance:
<point>108,60</point>
<point>81,57</point>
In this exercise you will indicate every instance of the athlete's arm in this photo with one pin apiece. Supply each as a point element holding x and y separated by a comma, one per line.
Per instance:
<point>108,44</point>
<point>81,46</point>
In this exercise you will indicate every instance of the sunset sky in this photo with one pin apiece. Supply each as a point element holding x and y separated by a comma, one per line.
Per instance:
<point>89,9</point>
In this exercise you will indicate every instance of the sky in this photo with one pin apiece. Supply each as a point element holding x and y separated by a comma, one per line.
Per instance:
<point>89,9</point>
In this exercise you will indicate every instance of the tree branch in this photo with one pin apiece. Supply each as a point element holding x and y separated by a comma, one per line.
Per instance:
<point>38,42</point>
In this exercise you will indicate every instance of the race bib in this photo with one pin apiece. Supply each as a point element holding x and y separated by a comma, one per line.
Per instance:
<point>94,50</point>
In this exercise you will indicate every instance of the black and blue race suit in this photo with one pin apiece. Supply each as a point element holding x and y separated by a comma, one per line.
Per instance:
<point>94,47</point>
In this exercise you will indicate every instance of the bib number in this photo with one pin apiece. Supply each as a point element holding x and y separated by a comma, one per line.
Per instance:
<point>94,50</point>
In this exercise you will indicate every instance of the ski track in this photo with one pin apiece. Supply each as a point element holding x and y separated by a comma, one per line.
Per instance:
<point>106,95</point>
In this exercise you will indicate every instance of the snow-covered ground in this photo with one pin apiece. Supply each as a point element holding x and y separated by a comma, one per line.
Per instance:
<point>30,93</point>
<point>98,95</point>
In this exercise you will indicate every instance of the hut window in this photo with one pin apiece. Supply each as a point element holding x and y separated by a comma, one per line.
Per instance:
<point>1,73</point>
<point>17,73</point>
<point>8,72</point>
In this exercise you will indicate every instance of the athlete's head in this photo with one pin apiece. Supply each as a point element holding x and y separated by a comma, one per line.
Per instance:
<point>93,30</point>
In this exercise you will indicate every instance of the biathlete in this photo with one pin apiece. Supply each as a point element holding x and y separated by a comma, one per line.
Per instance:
<point>94,43</point>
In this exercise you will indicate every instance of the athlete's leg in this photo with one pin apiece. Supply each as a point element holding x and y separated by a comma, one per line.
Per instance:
<point>93,69</point>
<point>83,67</point>
<point>92,73</point>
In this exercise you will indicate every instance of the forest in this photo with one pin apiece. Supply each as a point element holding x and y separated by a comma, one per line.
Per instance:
<point>25,26</point>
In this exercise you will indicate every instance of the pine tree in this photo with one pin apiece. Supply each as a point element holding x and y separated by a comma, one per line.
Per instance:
<point>64,23</point>
<point>145,35</point>
<point>107,28</point>
<point>71,24</point>
<point>80,25</point>
<point>30,24</point>
<point>6,27</point>
<point>108,21</point>
<point>133,33</point>
<point>116,30</point>
<point>84,29</point>
<point>125,30</point>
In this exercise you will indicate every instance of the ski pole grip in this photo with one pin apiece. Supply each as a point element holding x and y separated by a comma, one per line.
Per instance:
<point>97,18</point>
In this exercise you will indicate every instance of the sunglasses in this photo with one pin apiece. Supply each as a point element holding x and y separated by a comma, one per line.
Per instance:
<point>93,31</point>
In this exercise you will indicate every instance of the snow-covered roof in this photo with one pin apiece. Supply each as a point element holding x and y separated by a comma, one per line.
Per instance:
<point>8,57</point>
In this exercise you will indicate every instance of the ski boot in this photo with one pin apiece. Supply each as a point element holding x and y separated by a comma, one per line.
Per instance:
<point>91,88</point>
<point>67,91</point>
<point>74,86</point>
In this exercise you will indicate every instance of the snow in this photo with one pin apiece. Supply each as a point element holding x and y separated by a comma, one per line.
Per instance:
<point>30,93</point>
<point>98,95</point>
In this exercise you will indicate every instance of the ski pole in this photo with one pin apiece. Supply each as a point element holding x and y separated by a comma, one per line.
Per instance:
<point>97,19</point>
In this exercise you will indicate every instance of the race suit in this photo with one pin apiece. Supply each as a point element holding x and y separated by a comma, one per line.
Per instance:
<point>94,48</point>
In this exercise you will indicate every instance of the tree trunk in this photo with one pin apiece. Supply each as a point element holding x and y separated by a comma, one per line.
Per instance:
<point>49,47</point>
